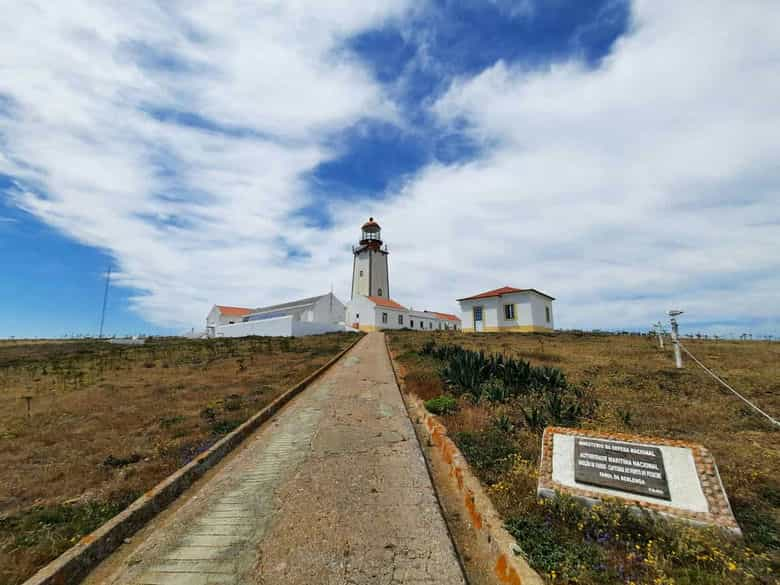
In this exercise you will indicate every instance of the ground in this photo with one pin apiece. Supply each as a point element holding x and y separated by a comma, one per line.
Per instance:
<point>332,490</point>
<point>627,384</point>
<point>108,422</point>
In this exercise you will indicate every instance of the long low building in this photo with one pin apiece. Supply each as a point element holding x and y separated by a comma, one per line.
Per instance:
<point>309,316</point>
<point>377,313</point>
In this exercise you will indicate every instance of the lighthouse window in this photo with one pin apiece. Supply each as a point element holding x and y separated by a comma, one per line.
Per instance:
<point>379,292</point>
<point>361,273</point>
<point>384,317</point>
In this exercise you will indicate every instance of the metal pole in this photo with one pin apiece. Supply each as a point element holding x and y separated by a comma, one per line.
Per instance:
<point>105,298</point>
<point>660,336</point>
<point>676,344</point>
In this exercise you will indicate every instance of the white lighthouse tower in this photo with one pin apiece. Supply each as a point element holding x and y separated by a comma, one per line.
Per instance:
<point>370,276</point>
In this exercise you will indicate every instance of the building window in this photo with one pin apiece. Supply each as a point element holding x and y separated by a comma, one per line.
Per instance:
<point>384,317</point>
<point>411,323</point>
<point>547,313</point>
<point>379,292</point>
<point>400,319</point>
<point>477,313</point>
<point>430,324</point>
<point>357,315</point>
<point>422,325</point>
<point>509,312</point>
<point>361,273</point>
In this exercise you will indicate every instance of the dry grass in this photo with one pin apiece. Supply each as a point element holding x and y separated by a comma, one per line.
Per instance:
<point>108,422</point>
<point>640,391</point>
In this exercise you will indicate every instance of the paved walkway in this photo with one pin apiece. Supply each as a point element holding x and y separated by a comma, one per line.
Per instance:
<point>333,491</point>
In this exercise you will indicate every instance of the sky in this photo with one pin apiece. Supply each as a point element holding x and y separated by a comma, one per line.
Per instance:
<point>620,156</point>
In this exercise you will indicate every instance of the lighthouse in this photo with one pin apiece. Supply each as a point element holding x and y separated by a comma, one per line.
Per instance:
<point>370,275</point>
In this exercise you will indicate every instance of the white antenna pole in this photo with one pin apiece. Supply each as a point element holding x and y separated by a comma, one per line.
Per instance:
<point>105,299</point>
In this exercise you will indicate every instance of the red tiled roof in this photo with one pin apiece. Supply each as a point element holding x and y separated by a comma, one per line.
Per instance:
<point>446,316</point>
<point>504,290</point>
<point>233,311</point>
<point>389,303</point>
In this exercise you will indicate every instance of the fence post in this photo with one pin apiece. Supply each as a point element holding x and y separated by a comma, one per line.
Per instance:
<point>676,344</point>
<point>659,332</point>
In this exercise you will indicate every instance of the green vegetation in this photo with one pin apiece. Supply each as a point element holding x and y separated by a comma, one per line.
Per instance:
<point>441,405</point>
<point>43,532</point>
<point>542,393</point>
<point>506,394</point>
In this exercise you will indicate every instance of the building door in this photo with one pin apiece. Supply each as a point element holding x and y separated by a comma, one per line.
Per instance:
<point>479,324</point>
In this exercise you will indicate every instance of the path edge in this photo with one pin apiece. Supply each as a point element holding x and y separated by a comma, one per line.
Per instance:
<point>487,527</point>
<point>75,563</point>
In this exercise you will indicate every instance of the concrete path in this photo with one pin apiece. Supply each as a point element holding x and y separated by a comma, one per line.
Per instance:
<point>333,491</point>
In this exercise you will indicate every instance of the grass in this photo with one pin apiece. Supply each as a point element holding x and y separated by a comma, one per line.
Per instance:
<point>634,388</point>
<point>108,422</point>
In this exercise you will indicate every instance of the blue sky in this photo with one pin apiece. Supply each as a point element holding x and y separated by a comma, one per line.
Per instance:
<point>620,156</point>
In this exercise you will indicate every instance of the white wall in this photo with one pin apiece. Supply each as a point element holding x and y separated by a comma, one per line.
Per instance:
<point>366,310</point>
<point>329,310</point>
<point>539,303</point>
<point>392,318</point>
<point>379,275</point>
<point>360,284</point>
<point>275,327</point>
<point>302,328</point>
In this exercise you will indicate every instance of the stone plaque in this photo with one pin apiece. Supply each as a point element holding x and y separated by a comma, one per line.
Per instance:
<point>628,467</point>
<point>669,476</point>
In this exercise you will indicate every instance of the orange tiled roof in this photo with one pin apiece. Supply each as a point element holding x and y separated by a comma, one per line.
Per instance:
<point>446,316</point>
<point>389,303</point>
<point>504,290</point>
<point>233,311</point>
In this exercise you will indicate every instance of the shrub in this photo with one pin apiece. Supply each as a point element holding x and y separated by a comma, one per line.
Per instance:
<point>549,397</point>
<point>494,390</point>
<point>232,402</point>
<point>489,452</point>
<point>441,405</point>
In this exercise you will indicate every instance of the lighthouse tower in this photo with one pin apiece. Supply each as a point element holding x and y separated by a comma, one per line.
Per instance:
<point>370,276</point>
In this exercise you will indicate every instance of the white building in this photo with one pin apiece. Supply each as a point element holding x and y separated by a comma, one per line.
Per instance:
<point>371,308</point>
<point>507,309</point>
<point>222,315</point>
<point>310,316</point>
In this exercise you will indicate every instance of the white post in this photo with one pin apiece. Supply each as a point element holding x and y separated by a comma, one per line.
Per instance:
<point>658,331</point>
<point>676,344</point>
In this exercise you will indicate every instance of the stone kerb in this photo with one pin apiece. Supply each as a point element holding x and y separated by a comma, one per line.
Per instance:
<point>715,509</point>
<point>493,541</point>
<point>74,564</point>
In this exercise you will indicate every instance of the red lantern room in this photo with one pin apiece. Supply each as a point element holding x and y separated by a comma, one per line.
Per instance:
<point>372,234</point>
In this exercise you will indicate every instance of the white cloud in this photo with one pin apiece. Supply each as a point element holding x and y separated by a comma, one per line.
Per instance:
<point>192,216</point>
<point>649,182</point>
